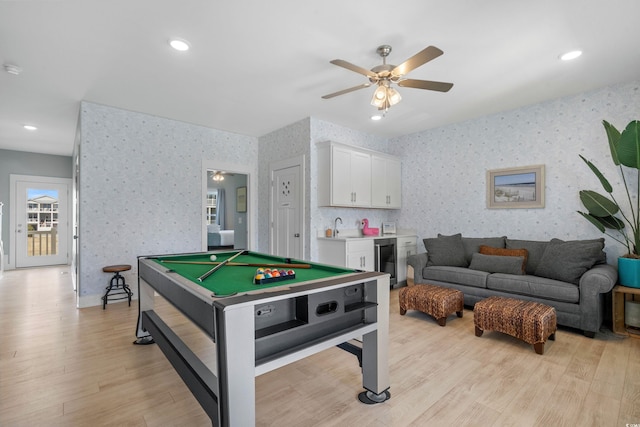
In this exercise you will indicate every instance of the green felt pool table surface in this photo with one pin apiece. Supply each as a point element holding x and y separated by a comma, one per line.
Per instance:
<point>231,279</point>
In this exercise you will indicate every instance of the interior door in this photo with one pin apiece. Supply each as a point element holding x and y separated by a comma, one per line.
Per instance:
<point>41,222</point>
<point>286,211</point>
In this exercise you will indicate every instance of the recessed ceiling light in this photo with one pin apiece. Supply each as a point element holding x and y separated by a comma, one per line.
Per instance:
<point>30,127</point>
<point>376,117</point>
<point>179,44</point>
<point>571,55</point>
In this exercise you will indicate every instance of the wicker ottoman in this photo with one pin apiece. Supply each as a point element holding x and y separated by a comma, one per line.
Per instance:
<point>529,321</point>
<point>434,300</point>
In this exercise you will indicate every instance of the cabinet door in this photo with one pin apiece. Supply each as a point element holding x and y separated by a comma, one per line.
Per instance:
<point>360,255</point>
<point>341,192</point>
<point>386,186</point>
<point>394,183</point>
<point>361,179</point>
<point>378,182</point>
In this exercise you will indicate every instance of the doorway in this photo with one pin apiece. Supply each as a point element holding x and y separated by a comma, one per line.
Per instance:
<point>227,218</point>
<point>287,208</point>
<point>39,221</point>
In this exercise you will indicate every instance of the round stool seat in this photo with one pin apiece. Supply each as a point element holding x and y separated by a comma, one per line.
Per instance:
<point>116,268</point>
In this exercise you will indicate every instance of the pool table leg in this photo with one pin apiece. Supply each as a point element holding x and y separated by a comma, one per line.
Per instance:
<point>145,302</point>
<point>375,348</point>
<point>235,332</point>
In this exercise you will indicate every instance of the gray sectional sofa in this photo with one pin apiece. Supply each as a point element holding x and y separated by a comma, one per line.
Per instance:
<point>571,276</point>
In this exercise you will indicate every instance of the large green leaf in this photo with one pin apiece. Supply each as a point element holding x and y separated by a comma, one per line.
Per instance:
<point>593,220</point>
<point>605,183</point>
<point>603,223</point>
<point>613,135</point>
<point>629,145</point>
<point>597,204</point>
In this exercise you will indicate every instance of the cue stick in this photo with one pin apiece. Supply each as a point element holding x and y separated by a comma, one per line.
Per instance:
<point>219,266</point>
<point>238,264</point>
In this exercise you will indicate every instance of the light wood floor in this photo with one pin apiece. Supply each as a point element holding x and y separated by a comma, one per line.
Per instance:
<point>60,366</point>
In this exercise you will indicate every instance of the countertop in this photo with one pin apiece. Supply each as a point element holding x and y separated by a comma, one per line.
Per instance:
<point>361,237</point>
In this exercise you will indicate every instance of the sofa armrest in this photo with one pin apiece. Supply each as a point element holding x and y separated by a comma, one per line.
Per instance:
<point>599,279</point>
<point>593,285</point>
<point>418,261</point>
<point>415,265</point>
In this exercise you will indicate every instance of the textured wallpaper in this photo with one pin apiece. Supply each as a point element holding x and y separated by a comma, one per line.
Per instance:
<point>140,177</point>
<point>141,188</point>
<point>444,169</point>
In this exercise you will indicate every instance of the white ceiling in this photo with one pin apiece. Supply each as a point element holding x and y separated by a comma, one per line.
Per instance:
<point>256,66</point>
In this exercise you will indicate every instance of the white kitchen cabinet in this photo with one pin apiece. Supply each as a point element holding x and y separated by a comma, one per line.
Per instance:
<point>351,177</point>
<point>386,184</point>
<point>344,176</point>
<point>405,247</point>
<point>357,254</point>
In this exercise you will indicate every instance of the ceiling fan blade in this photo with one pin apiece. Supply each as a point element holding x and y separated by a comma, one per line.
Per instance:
<point>350,66</point>
<point>342,92</point>
<point>426,84</point>
<point>420,58</point>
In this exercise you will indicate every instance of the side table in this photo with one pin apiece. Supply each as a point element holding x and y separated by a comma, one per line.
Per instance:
<point>619,296</point>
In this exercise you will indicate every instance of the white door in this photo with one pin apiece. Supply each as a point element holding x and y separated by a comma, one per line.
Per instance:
<point>287,209</point>
<point>41,221</point>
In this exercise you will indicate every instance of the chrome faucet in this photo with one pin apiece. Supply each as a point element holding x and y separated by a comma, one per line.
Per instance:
<point>335,226</point>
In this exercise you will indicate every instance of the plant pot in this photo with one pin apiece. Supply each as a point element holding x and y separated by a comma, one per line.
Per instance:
<point>629,272</point>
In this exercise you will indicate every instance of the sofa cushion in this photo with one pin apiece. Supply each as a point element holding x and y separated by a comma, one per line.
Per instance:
<point>534,286</point>
<point>497,263</point>
<point>472,244</point>
<point>460,275</point>
<point>446,250</point>
<point>568,261</point>
<point>488,250</point>
<point>535,250</point>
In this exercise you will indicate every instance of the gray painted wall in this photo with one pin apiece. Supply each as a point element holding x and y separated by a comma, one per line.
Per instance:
<point>23,163</point>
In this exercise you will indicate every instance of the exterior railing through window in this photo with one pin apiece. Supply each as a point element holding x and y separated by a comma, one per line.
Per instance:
<point>44,242</point>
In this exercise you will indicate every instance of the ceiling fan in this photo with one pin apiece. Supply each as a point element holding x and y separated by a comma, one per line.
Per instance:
<point>385,74</point>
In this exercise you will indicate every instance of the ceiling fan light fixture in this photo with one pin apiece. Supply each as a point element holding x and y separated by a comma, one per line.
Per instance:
<point>393,96</point>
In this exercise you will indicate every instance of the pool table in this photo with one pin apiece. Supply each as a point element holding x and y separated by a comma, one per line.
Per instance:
<point>257,328</point>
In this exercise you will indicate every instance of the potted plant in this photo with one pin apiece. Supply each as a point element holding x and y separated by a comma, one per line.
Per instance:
<point>622,225</point>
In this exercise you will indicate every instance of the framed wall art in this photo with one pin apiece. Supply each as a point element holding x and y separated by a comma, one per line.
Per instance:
<point>241,199</point>
<point>513,188</point>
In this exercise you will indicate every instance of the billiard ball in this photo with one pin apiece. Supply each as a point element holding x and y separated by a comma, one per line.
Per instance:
<point>213,257</point>
<point>259,276</point>
<point>291,272</point>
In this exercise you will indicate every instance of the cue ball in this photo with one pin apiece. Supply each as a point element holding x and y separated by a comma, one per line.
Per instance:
<point>213,257</point>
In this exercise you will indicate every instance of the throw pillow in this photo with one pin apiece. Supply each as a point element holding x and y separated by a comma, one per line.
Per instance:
<point>488,250</point>
<point>497,263</point>
<point>446,250</point>
<point>535,250</point>
<point>472,244</point>
<point>568,261</point>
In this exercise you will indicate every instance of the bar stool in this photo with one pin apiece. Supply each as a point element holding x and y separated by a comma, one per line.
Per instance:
<point>117,286</point>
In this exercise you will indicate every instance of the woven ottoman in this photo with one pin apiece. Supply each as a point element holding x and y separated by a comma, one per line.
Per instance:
<point>436,301</point>
<point>529,321</point>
